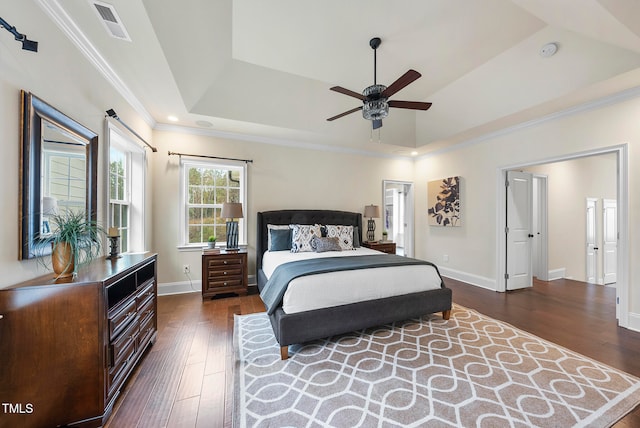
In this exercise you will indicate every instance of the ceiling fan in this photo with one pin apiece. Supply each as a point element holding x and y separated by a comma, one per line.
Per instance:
<point>375,98</point>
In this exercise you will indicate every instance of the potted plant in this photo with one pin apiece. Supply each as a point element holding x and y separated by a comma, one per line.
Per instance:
<point>75,241</point>
<point>212,241</point>
<point>384,235</point>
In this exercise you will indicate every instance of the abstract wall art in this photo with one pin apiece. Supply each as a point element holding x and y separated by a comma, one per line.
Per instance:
<point>443,200</point>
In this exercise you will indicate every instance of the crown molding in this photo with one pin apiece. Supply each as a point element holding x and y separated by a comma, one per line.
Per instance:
<point>60,17</point>
<point>274,141</point>
<point>616,98</point>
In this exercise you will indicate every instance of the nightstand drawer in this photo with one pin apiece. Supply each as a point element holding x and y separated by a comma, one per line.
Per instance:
<point>229,282</point>
<point>221,261</point>
<point>225,271</point>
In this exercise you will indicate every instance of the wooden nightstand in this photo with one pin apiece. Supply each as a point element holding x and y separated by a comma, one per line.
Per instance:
<point>385,247</point>
<point>224,272</point>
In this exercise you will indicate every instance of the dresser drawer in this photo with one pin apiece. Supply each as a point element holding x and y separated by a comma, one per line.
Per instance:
<point>147,330</point>
<point>120,347</point>
<point>147,308</point>
<point>146,293</point>
<point>119,320</point>
<point>118,372</point>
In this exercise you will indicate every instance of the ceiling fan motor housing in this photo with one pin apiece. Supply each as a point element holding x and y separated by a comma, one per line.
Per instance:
<point>375,105</point>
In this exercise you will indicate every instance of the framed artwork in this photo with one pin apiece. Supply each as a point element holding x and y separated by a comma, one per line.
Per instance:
<point>443,199</point>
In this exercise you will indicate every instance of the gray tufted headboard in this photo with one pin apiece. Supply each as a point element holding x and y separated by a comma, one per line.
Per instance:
<point>301,217</point>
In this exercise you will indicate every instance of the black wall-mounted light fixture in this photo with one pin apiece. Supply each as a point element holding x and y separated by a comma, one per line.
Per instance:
<point>112,114</point>
<point>27,45</point>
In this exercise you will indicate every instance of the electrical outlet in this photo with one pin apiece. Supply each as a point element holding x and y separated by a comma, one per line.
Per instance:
<point>445,258</point>
<point>186,269</point>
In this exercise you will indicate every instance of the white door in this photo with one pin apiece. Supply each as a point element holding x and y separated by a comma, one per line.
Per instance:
<point>591,262</point>
<point>609,240</point>
<point>518,229</point>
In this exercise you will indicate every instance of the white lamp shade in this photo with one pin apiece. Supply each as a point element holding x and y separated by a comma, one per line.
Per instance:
<point>231,210</point>
<point>372,211</point>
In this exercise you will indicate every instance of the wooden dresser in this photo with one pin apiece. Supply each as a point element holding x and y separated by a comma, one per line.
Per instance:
<point>385,247</point>
<point>67,348</point>
<point>224,272</point>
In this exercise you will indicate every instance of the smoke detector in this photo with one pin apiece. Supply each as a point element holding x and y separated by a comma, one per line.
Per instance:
<point>548,50</point>
<point>110,19</point>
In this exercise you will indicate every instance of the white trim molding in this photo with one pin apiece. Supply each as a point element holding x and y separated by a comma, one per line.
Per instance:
<point>60,17</point>
<point>469,278</point>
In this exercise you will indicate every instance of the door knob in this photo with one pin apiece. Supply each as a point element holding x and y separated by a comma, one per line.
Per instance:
<point>530,236</point>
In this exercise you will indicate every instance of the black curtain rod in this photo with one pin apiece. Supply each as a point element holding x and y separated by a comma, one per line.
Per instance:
<point>112,114</point>
<point>210,157</point>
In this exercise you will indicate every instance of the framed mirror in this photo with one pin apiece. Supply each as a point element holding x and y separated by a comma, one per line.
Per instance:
<point>58,171</point>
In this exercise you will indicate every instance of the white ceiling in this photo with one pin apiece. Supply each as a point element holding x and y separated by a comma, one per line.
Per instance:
<point>263,69</point>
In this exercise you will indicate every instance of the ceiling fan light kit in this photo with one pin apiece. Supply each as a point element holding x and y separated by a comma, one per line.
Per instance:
<point>375,98</point>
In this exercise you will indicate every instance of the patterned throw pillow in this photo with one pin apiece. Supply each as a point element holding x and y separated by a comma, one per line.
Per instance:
<point>326,244</point>
<point>343,233</point>
<point>302,237</point>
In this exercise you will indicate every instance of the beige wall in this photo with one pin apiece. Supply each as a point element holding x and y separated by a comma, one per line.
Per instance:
<point>472,247</point>
<point>62,77</point>
<point>280,177</point>
<point>570,183</point>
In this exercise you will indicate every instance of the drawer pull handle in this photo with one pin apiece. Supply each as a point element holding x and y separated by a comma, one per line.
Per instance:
<point>225,273</point>
<point>225,262</point>
<point>225,283</point>
<point>1,316</point>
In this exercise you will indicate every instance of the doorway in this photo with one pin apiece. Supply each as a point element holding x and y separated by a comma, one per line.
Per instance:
<point>397,214</point>
<point>620,156</point>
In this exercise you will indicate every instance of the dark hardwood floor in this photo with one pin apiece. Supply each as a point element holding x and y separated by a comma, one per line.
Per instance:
<point>185,380</point>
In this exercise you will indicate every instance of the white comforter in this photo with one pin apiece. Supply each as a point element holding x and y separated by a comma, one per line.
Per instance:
<point>351,286</point>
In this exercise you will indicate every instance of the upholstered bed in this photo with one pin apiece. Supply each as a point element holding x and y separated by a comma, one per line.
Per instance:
<point>307,325</point>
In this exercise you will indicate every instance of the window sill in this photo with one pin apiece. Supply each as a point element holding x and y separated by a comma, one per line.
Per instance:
<point>199,248</point>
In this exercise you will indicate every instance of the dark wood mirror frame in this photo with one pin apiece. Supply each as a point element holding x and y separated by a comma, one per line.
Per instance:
<point>34,111</point>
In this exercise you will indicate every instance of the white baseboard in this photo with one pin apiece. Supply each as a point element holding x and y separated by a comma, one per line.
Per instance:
<point>469,278</point>
<point>634,321</point>
<point>557,274</point>
<point>182,287</point>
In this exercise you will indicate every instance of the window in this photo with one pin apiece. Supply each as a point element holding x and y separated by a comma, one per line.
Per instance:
<point>126,190</point>
<point>119,191</point>
<point>206,186</point>
<point>64,177</point>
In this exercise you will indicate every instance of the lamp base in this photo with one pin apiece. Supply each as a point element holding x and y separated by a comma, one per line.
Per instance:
<point>232,235</point>
<point>371,230</point>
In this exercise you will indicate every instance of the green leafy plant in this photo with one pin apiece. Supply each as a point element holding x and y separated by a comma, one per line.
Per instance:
<point>76,231</point>
<point>212,238</point>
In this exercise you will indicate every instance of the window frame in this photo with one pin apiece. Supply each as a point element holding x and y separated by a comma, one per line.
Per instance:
<point>185,165</point>
<point>137,172</point>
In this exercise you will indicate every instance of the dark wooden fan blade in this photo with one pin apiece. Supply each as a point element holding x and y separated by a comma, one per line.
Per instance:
<point>402,81</point>
<point>377,123</point>
<point>413,105</point>
<point>347,92</point>
<point>344,114</point>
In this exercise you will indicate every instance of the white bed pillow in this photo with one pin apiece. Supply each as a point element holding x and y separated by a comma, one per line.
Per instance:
<point>343,233</point>
<point>302,237</point>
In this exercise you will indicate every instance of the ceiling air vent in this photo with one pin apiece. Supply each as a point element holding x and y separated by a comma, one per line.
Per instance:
<point>110,19</point>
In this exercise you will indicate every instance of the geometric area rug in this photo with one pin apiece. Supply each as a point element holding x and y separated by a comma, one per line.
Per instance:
<point>468,371</point>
